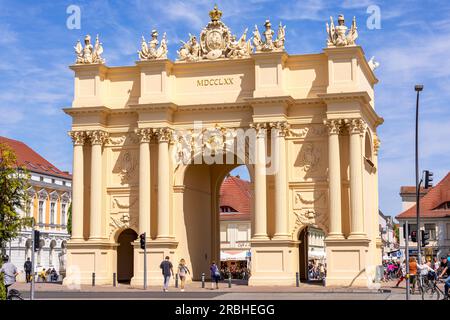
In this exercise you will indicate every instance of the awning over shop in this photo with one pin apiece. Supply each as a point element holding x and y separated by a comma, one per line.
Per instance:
<point>233,255</point>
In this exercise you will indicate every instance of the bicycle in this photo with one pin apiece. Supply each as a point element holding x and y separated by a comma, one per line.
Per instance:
<point>430,290</point>
<point>13,294</point>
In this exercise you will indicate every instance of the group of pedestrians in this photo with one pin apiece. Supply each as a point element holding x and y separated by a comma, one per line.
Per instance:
<point>316,271</point>
<point>182,270</point>
<point>430,269</point>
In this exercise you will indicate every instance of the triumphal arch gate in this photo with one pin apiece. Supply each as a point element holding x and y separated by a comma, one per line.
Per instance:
<point>154,141</point>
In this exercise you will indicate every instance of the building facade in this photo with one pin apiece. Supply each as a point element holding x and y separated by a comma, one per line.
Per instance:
<point>50,198</point>
<point>235,201</point>
<point>388,237</point>
<point>435,218</point>
<point>153,142</point>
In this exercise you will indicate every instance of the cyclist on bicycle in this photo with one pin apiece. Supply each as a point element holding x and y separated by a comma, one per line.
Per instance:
<point>445,274</point>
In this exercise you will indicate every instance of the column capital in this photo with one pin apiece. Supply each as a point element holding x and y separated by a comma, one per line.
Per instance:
<point>334,126</point>
<point>78,137</point>
<point>260,128</point>
<point>356,126</point>
<point>282,127</point>
<point>145,135</point>
<point>98,137</point>
<point>163,134</point>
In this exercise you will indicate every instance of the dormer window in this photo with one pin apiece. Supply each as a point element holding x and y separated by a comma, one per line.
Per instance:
<point>443,206</point>
<point>227,209</point>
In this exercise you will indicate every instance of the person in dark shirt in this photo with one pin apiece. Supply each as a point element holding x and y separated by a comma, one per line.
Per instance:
<point>167,271</point>
<point>27,267</point>
<point>445,274</point>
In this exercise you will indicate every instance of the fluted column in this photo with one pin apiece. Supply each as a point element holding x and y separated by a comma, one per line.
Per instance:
<point>280,129</point>
<point>260,218</point>
<point>78,138</point>
<point>145,136</point>
<point>164,135</point>
<point>334,175</point>
<point>356,131</point>
<point>97,138</point>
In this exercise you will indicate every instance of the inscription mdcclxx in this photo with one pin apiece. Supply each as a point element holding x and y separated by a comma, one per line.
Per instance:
<point>215,82</point>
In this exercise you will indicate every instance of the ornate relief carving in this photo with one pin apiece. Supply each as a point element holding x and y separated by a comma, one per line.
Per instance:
<point>78,137</point>
<point>152,51</point>
<point>300,199</point>
<point>376,145</point>
<point>309,157</point>
<point>310,217</point>
<point>124,221</point>
<point>98,137</point>
<point>116,204</point>
<point>338,35</point>
<point>309,131</point>
<point>269,43</point>
<point>89,54</point>
<point>127,164</point>
<point>216,41</point>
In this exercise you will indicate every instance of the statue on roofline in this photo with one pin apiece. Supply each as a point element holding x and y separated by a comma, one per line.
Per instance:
<point>89,54</point>
<point>340,36</point>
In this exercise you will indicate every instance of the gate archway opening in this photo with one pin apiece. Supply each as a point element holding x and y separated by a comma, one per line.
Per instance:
<point>202,211</point>
<point>312,258</point>
<point>125,256</point>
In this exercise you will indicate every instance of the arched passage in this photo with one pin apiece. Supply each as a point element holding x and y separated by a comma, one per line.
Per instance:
<point>312,258</point>
<point>200,215</point>
<point>125,255</point>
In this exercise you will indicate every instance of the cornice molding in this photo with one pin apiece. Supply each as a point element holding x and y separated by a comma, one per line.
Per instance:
<point>287,100</point>
<point>93,110</point>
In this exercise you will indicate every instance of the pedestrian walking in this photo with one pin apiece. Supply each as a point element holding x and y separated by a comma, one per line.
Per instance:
<point>413,273</point>
<point>9,273</point>
<point>167,270</point>
<point>27,267</point>
<point>401,273</point>
<point>215,275</point>
<point>182,272</point>
<point>445,274</point>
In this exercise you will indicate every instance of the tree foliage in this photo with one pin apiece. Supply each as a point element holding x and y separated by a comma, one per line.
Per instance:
<point>69,220</point>
<point>13,195</point>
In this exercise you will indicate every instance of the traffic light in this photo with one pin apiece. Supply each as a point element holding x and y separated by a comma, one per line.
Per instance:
<point>414,236</point>
<point>37,239</point>
<point>142,240</point>
<point>428,179</point>
<point>425,236</point>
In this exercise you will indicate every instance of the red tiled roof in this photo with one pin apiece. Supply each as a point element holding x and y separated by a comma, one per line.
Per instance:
<point>428,203</point>
<point>32,160</point>
<point>235,193</point>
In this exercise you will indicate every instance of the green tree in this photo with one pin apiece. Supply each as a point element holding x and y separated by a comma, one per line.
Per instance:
<point>69,220</point>
<point>13,197</point>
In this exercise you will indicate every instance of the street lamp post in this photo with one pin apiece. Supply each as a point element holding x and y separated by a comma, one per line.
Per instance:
<point>418,88</point>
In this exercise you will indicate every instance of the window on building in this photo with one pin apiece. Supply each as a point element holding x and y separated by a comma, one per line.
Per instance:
<point>448,231</point>
<point>41,178</point>
<point>242,233</point>
<point>41,211</point>
<point>52,213</point>
<point>63,214</point>
<point>223,233</point>
<point>53,180</point>
<point>431,228</point>
<point>64,183</point>
<point>443,206</point>
<point>227,209</point>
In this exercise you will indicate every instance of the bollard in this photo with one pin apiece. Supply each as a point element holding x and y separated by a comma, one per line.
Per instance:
<point>176,280</point>
<point>203,280</point>
<point>229,280</point>
<point>297,279</point>
<point>114,279</point>
<point>93,279</point>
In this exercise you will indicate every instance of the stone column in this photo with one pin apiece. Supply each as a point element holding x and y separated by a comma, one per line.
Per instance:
<point>164,135</point>
<point>98,138</point>
<point>356,130</point>
<point>279,131</point>
<point>334,175</point>
<point>145,136</point>
<point>260,206</point>
<point>78,138</point>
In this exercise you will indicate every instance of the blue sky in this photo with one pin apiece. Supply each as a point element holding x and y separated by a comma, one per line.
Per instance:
<point>412,46</point>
